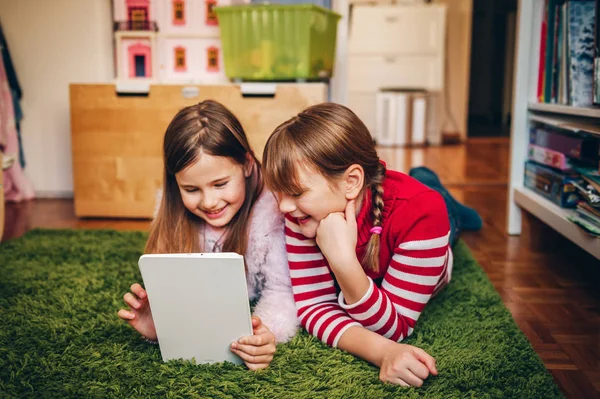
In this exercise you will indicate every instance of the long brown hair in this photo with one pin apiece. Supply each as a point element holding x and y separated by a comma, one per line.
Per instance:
<point>212,128</point>
<point>329,138</point>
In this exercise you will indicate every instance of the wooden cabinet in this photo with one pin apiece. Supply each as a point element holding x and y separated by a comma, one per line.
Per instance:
<point>117,140</point>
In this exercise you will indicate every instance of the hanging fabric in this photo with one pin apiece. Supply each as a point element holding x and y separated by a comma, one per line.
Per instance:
<point>17,186</point>
<point>16,92</point>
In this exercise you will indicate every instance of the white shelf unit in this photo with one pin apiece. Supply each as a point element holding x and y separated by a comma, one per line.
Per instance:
<point>556,217</point>
<point>565,110</point>
<point>526,108</point>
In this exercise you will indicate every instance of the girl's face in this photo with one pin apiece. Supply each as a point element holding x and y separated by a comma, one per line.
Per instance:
<point>320,198</point>
<point>213,188</point>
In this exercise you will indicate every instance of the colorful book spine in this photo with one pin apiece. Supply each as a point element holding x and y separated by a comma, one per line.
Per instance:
<point>556,60</point>
<point>543,48</point>
<point>550,48</point>
<point>548,157</point>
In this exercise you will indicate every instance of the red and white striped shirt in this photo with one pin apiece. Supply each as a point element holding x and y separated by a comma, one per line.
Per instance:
<point>415,263</point>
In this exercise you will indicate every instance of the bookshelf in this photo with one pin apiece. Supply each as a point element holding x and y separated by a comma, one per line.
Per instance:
<point>526,108</point>
<point>565,110</point>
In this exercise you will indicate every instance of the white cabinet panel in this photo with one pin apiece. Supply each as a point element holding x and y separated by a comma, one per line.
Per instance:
<point>370,73</point>
<point>410,30</point>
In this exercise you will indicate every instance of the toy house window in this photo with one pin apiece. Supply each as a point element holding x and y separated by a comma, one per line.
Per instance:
<point>212,59</point>
<point>178,12</point>
<point>211,15</point>
<point>180,62</point>
<point>138,18</point>
<point>138,14</point>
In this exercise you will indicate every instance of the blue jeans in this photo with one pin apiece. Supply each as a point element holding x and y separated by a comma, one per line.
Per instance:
<point>455,227</point>
<point>434,184</point>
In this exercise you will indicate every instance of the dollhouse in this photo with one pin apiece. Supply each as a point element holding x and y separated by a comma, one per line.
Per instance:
<point>168,41</point>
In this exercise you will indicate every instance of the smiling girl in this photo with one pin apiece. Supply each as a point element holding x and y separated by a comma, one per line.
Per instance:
<point>214,201</point>
<point>367,247</point>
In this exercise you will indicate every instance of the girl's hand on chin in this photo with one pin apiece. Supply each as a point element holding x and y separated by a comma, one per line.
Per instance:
<point>337,235</point>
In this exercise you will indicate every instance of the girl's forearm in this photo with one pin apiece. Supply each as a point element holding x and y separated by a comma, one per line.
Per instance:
<point>353,281</point>
<point>364,344</point>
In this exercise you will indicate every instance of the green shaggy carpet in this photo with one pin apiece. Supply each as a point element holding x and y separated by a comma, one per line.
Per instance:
<point>60,336</point>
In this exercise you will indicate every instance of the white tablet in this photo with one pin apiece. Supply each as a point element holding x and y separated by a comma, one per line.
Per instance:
<point>199,304</point>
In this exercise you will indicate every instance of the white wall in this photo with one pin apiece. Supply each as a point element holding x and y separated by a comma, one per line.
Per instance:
<point>54,43</point>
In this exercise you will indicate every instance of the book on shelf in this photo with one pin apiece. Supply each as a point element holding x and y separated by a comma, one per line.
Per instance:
<point>565,57</point>
<point>548,157</point>
<point>597,59</point>
<point>587,213</point>
<point>592,182</point>
<point>589,173</point>
<point>590,216</point>
<point>586,217</point>
<point>580,147</point>
<point>595,212</point>
<point>556,186</point>
<point>543,49</point>
<point>550,50</point>
<point>586,225</point>
<point>580,32</point>
<point>588,193</point>
<point>566,70</point>
<point>556,59</point>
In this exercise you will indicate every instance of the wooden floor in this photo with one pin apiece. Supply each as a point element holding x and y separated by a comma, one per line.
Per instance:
<point>551,286</point>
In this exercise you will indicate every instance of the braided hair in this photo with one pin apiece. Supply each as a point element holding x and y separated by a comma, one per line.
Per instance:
<point>371,257</point>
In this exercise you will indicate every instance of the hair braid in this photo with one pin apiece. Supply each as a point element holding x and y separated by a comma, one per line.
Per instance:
<point>371,259</point>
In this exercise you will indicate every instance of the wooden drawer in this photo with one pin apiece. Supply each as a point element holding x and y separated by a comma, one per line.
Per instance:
<point>400,30</point>
<point>363,105</point>
<point>372,72</point>
<point>117,141</point>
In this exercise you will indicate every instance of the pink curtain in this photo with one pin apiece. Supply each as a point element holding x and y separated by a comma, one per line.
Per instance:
<point>17,186</point>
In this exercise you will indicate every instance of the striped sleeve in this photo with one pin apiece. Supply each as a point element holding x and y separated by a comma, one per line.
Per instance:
<point>314,291</point>
<point>420,265</point>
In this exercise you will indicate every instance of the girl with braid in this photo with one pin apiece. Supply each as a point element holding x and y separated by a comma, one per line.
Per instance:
<point>367,247</point>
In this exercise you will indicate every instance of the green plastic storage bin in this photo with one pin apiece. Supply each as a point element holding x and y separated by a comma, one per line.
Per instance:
<point>278,42</point>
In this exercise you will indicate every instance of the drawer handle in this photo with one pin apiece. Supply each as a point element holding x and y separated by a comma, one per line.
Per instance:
<point>391,19</point>
<point>190,92</point>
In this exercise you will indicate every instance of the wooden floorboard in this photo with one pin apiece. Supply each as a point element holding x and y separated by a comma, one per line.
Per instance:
<point>551,287</point>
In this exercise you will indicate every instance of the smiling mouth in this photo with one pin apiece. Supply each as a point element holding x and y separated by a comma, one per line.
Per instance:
<point>215,213</point>
<point>303,219</point>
